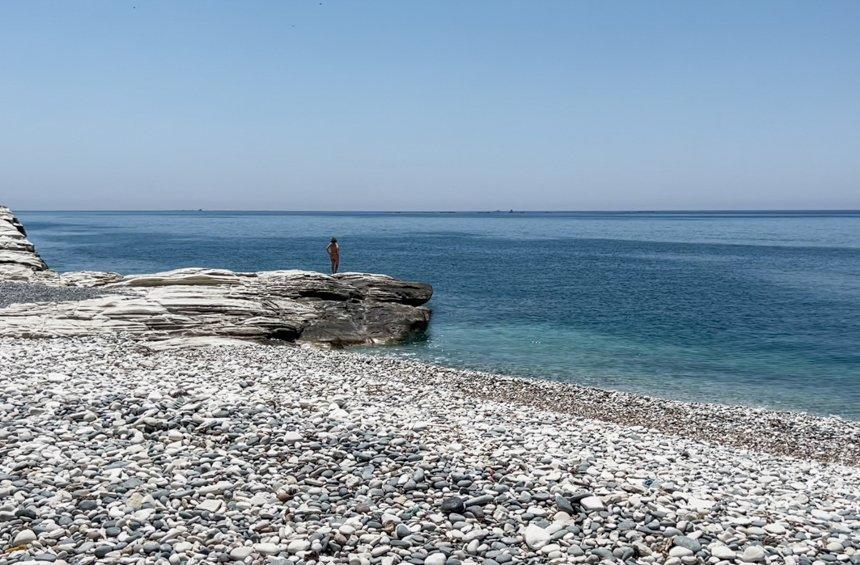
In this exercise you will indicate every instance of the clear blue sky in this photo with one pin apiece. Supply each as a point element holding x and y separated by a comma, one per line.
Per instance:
<point>429,105</point>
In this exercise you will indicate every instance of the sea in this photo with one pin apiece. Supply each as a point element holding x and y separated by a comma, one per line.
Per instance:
<point>753,308</point>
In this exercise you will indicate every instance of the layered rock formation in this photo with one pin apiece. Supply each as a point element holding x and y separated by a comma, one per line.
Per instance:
<point>344,309</point>
<point>18,257</point>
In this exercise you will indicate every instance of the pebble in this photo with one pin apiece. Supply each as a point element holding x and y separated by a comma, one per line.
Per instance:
<point>452,504</point>
<point>297,546</point>
<point>12,293</point>
<point>753,554</point>
<point>535,536</point>
<point>591,503</point>
<point>688,542</point>
<point>435,559</point>
<point>721,551</point>
<point>210,505</point>
<point>116,452</point>
<point>24,537</point>
<point>240,553</point>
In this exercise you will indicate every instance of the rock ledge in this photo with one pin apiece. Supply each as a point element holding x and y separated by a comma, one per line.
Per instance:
<point>291,305</point>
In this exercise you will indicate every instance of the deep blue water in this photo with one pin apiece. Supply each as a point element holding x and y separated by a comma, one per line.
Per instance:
<point>753,308</point>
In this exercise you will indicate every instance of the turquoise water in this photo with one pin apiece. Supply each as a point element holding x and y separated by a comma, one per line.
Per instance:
<point>757,308</point>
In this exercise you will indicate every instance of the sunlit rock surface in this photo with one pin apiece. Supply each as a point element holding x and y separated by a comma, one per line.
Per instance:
<point>18,257</point>
<point>345,309</point>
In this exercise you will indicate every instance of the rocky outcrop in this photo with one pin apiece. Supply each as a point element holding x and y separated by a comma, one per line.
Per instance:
<point>195,303</point>
<point>18,257</point>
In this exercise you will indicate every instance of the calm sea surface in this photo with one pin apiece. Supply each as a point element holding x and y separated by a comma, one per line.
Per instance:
<point>752,308</point>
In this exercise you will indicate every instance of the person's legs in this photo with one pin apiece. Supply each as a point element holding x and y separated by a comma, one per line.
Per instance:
<point>335,265</point>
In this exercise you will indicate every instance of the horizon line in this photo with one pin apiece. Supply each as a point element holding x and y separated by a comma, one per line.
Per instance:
<point>496,211</point>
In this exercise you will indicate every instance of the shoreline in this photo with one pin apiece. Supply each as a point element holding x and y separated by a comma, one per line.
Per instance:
<point>113,450</point>
<point>790,433</point>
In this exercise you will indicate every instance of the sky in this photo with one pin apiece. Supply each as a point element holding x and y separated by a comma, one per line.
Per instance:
<point>353,105</point>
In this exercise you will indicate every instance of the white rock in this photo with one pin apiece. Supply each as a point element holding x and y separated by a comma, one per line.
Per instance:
<point>820,514</point>
<point>435,559</point>
<point>535,536</point>
<point>834,547</point>
<point>267,548</point>
<point>775,529</point>
<point>135,501</point>
<point>220,486</point>
<point>591,503</point>
<point>24,537</point>
<point>550,548</point>
<point>679,551</point>
<point>700,505</point>
<point>210,505</point>
<point>753,554</point>
<point>144,514</point>
<point>298,545</point>
<point>721,551</point>
<point>240,553</point>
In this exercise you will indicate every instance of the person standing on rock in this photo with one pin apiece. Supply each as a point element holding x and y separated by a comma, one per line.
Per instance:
<point>334,254</point>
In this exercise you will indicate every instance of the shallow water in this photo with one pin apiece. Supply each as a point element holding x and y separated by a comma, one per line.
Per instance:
<point>753,308</point>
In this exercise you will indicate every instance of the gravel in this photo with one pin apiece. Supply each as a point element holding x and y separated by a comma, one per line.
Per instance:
<point>113,452</point>
<point>793,434</point>
<point>15,292</point>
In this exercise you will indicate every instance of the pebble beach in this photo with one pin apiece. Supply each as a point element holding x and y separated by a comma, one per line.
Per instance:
<point>113,451</point>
